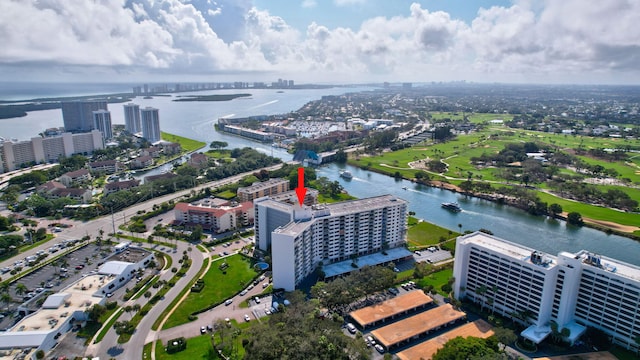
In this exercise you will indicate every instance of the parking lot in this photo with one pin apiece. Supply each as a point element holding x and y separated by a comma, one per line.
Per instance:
<point>432,255</point>
<point>33,288</point>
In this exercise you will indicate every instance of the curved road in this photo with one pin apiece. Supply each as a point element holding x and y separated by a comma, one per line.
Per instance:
<point>108,347</point>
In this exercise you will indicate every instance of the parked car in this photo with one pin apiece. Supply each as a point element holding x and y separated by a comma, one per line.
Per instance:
<point>246,317</point>
<point>352,329</point>
<point>379,348</point>
<point>228,302</point>
<point>243,292</point>
<point>203,330</point>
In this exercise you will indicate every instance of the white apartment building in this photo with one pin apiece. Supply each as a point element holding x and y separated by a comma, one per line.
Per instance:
<point>102,122</point>
<point>327,234</point>
<point>150,122</point>
<point>47,149</point>
<point>132,118</point>
<point>572,290</point>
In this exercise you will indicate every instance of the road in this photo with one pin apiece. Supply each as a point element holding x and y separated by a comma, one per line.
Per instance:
<point>108,347</point>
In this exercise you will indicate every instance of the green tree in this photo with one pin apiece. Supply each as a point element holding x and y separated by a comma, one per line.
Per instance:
<point>20,289</point>
<point>216,145</point>
<point>471,347</point>
<point>555,209</point>
<point>575,218</point>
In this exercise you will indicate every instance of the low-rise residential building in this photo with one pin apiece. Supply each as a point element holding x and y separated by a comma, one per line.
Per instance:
<point>75,177</point>
<point>154,151</point>
<point>120,185</point>
<point>198,160</point>
<point>105,167</point>
<point>84,196</point>
<point>142,162</point>
<point>171,148</point>
<point>214,215</point>
<point>264,188</point>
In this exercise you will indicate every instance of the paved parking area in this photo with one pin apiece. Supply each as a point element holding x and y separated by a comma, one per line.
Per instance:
<point>432,256</point>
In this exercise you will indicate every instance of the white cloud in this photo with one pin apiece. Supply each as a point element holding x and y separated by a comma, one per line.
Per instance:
<point>309,4</point>
<point>541,40</point>
<point>348,2</point>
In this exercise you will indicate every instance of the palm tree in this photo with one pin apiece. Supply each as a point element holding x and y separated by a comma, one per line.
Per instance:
<point>6,298</point>
<point>128,309</point>
<point>460,227</point>
<point>481,291</point>
<point>20,289</point>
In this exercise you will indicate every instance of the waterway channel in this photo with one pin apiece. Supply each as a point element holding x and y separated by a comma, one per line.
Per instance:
<point>538,232</point>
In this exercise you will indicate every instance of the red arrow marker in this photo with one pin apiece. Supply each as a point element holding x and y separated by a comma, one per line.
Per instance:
<point>301,191</point>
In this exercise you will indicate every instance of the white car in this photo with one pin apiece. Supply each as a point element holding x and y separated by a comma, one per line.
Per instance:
<point>246,317</point>
<point>379,348</point>
<point>257,300</point>
<point>243,292</point>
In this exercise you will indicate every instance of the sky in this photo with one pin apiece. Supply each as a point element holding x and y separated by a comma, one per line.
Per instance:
<point>321,41</point>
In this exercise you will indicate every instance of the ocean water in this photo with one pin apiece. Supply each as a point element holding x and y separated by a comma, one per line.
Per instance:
<point>190,119</point>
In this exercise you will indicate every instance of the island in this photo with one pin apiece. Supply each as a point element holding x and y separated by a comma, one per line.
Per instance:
<point>219,97</point>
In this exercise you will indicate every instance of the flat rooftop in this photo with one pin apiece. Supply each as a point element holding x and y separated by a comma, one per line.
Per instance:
<point>359,205</point>
<point>425,350</point>
<point>507,248</point>
<point>263,185</point>
<point>338,209</point>
<point>344,267</point>
<point>77,297</point>
<point>391,307</point>
<point>608,264</point>
<point>130,255</point>
<point>415,325</point>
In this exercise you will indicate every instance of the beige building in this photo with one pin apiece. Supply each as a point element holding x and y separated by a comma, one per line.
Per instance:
<point>264,188</point>
<point>214,215</point>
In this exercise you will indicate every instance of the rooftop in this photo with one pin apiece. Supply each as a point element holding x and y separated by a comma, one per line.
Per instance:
<point>391,307</point>
<point>613,266</point>
<point>338,209</point>
<point>77,297</point>
<point>415,325</point>
<point>478,328</point>
<point>130,255</point>
<point>510,249</point>
<point>263,185</point>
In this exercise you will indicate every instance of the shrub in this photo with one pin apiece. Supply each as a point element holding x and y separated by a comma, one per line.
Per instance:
<point>176,345</point>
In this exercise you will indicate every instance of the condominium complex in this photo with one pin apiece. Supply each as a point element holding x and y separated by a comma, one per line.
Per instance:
<point>322,235</point>
<point>132,118</point>
<point>150,121</point>
<point>47,149</point>
<point>572,290</point>
<point>78,115</point>
<point>214,214</point>
<point>102,122</point>
<point>264,188</point>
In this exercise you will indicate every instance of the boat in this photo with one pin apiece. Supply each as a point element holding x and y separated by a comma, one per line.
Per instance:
<point>346,175</point>
<point>452,206</point>
<point>404,188</point>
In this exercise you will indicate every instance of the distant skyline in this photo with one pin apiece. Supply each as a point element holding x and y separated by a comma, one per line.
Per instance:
<point>321,41</point>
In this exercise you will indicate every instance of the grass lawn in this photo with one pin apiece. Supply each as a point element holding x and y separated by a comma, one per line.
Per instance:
<point>186,143</point>
<point>218,287</point>
<point>197,348</point>
<point>329,199</point>
<point>227,194</point>
<point>458,152</point>
<point>591,211</point>
<point>436,280</point>
<point>421,234</point>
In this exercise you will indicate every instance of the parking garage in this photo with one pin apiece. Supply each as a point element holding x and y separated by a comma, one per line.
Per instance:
<point>413,327</point>
<point>390,309</point>
<point>478,328</point>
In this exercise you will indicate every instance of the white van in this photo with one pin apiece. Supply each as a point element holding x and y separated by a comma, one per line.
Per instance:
<point>352,329</point>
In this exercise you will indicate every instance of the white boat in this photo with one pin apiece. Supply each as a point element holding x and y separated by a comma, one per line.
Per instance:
<point>346,175</point>
<point>452,206</point>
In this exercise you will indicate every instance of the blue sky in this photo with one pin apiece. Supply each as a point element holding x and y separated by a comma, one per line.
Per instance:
<point>351,14</point>
<point>336,41</point>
